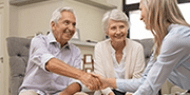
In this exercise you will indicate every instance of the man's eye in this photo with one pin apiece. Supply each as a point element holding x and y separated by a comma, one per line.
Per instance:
<point>66,22</point>
<point>74,24</point>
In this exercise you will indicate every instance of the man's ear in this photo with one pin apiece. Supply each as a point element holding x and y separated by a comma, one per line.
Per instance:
<point>53,24</point>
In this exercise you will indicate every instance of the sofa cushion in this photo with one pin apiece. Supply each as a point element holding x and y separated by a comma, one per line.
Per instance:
<point>18,50</point>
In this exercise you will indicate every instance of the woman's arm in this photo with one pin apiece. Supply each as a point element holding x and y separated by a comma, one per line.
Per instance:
<point>172,51</point>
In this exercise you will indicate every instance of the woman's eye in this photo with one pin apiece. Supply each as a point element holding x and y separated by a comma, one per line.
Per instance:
<point>121,27</point>
<point>113,28</point>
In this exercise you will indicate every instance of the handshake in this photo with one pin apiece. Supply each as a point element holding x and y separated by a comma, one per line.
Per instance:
<point>95,82</point>
<point>92,82</point>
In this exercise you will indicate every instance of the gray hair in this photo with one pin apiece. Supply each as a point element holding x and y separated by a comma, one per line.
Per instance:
<point>115,15</point>
<point>57,13</point>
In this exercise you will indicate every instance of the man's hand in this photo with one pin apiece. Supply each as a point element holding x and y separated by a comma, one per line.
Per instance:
<point>106,82</point>
<point>90,81</point>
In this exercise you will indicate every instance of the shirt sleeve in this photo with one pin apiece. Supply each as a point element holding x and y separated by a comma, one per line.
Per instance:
<point>171,53</point>
<point>39,53</point>
<point>131,85</point>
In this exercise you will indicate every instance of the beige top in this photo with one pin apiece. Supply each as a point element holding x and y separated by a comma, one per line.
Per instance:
<point>104,64</point>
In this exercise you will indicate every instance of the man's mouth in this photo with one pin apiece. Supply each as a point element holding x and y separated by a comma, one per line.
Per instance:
<point>67,31</point>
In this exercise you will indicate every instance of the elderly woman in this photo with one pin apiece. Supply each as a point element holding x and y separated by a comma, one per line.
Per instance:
<point>117,57</point>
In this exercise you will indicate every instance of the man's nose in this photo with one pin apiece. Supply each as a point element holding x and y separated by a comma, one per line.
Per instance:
<point>71,27</point>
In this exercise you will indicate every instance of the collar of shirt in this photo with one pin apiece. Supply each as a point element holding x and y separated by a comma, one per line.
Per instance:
<point>171,26</point>
<point>113,50</point>
<point>114,58</point>
<point>52,40</point>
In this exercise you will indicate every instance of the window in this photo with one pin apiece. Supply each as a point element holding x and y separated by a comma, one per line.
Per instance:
<point>137,27</point>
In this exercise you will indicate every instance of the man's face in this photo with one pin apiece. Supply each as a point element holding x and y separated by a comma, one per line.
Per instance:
<point>65,27</point>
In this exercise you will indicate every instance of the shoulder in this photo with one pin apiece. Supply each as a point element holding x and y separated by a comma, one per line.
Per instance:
<point>39,40</point>
<point>177,38</point>
<point>74,48</point>
<point>103,43</point>
<point>175,30</point>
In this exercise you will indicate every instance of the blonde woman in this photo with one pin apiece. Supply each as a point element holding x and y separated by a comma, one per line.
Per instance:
<point>171,57</point>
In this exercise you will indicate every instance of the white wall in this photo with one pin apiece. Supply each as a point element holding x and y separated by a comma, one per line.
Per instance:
<point>184,7</point>
<point>35,17</point>
<point>29,19</point>
<point>5,34</point>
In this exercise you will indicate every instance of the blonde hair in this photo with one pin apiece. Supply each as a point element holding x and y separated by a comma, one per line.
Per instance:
<point>161,13</point>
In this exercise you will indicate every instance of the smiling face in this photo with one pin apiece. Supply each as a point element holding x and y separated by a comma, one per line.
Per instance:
<point>143,14</point>
<point>65,28</point>
<point>117,31</point>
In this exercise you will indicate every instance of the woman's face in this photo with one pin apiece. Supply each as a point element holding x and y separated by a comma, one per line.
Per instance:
<point>117,31</point>
<point>143,15</point>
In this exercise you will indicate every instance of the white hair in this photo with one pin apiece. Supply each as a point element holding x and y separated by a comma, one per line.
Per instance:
<point>115,15</point>
<point>57,13</point>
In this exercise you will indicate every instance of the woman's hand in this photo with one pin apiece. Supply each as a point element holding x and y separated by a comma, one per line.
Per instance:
<point>105,82</point>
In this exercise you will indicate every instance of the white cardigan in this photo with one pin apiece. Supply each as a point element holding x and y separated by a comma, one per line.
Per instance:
<point>104,64</point>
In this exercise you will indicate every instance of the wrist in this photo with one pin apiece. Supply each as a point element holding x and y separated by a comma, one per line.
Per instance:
<point>111,82</point>
<point>83,77</point>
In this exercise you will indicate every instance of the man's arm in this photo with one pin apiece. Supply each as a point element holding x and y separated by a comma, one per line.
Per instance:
<point>71,89</point>
<point>56,66</point>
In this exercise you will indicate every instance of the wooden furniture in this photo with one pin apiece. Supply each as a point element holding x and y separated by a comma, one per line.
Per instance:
<point>88,63</point>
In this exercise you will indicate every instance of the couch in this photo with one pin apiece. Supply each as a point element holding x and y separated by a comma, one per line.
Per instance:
<point>18,51</point>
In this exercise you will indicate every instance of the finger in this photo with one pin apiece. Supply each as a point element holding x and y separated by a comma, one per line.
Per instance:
<point>99,83</point>
<point>94,75</point>
<point>90,86</point>
<point>96,86</point>
<point>100,80</point>
<point>91,82</point>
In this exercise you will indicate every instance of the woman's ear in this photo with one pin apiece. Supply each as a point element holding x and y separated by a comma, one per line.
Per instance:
<point>107,34</point>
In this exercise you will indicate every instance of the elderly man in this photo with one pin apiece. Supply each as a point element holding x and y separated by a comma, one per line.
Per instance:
<point>52,60</point>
